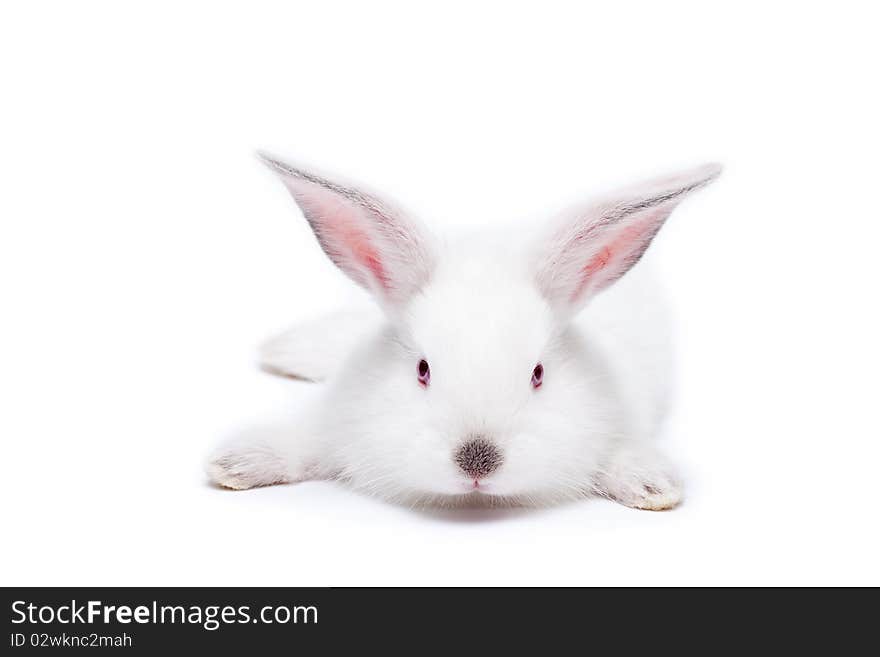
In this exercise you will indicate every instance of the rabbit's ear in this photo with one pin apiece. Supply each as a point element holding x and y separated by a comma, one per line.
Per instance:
<point>372,241</point>
<point>595,244</point>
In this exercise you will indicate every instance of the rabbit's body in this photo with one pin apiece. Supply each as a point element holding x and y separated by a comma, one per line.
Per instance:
<point>483,378</point>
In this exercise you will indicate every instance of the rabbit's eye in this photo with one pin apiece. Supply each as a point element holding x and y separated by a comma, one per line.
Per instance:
<point>538,376</point>
<point>424,372</point>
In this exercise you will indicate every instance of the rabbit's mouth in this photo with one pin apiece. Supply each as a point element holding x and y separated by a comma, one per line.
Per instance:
<point>478,487</point>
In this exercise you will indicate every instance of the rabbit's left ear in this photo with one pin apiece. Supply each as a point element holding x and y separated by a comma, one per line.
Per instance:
<point>594,245</point>
<point>375,243</point>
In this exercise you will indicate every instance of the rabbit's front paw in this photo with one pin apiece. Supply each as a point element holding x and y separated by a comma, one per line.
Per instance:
<point>240,467</point>
<point>639,479</point>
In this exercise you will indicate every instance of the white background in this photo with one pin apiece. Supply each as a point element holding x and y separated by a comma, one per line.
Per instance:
<point>145,252</point>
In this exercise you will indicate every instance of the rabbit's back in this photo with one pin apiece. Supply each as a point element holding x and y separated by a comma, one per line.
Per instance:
<point>629,327</point>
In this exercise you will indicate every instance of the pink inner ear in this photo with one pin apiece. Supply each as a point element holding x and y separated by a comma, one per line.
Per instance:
<point>605,266</point>
<point>339,225</point>
<point>358,244</point>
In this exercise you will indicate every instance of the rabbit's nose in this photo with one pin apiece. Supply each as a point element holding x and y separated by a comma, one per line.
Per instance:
<point>478,457</point>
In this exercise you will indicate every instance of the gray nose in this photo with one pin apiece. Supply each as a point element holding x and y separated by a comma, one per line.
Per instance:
<point>478,458</point>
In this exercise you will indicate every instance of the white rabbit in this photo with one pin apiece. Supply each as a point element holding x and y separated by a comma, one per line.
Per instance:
<point>498,369</point>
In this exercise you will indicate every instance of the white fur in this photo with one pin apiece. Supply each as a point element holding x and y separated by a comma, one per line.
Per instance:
<point>313,350</point>
<point>483,311</point>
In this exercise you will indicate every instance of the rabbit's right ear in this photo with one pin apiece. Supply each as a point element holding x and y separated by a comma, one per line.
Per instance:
<point>371,240</point>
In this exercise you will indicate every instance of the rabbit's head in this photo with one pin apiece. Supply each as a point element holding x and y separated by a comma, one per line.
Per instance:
<point>478,386</point>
